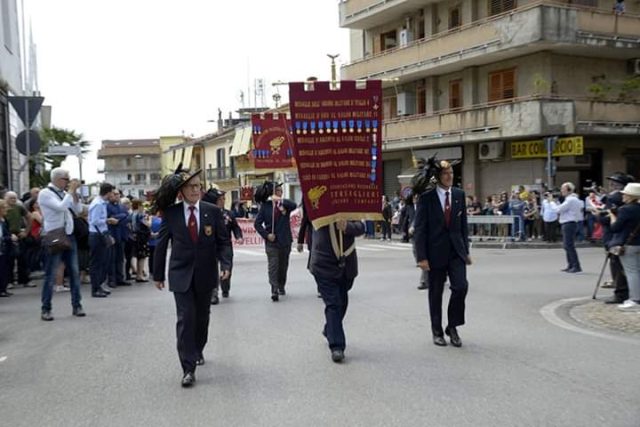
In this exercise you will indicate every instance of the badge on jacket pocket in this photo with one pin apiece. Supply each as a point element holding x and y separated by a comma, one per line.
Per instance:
<point>208,230</point>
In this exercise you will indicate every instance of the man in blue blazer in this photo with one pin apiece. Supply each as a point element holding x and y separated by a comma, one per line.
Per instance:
<point>442,249</point>
<point>199,241</point>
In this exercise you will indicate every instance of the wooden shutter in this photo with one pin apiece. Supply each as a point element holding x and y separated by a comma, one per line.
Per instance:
<point>455,95</point>
<point>502,85</point>
<point>421,98</point>
<point>501,6</point>
<point>495,86</point>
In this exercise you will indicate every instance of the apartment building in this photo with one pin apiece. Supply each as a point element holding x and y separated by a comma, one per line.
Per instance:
<point>132,165</point>
<point>485,81</point>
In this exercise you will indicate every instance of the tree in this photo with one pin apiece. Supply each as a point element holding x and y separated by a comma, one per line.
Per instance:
<point>40,165</point>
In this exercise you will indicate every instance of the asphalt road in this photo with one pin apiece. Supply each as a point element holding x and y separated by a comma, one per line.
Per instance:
<point>268,365</point>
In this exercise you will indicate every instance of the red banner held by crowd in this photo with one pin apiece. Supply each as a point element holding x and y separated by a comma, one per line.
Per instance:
<point>337,143</point>
<point>271,141</point>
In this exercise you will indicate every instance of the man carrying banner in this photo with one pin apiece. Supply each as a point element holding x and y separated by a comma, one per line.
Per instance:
<point>273,224</point>
<point>334,265</point>
<point>442,248</point>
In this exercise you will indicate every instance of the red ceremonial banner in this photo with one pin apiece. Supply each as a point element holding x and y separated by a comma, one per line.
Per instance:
<point>271,141</point>
<point>337,143</point>
<point>246,193</point>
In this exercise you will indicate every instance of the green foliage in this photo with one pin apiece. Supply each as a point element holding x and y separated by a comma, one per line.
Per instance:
<point>540,84</point>
<point>42,163</point>
<point>599,90</point>
<point>630,88</point>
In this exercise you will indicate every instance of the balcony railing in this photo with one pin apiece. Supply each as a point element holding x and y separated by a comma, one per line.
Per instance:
<point>216,174</point>
<point>366,13</point>
<point>534,25</point>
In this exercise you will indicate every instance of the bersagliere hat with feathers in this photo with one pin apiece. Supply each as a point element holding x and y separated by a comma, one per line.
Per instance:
<point>167,193</point>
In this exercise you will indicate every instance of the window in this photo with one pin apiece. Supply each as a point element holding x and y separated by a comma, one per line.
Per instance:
<point>388,40</point>
<point>127,162</point>
<point>502,85</point>
<point>500,6</point>
<point>421,32</point>
<point>141,178</point>
<point>156,177</point>
<point>455,94</point>
<point>221,158</point>
<point>390,107</point>
<point>421,98</point>
<point>454,18</point>
<point>129,176</point>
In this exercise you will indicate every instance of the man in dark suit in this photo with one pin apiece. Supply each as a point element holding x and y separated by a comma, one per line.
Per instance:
<point>335,266</point>
<point>197,232</point>
<point>274,225</point>
<point>442,248</point>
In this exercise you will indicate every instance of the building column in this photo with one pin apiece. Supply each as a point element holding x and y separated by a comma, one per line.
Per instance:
<point>470,87</point>
<point>469,11</point>
<point>430,20</point>
<point>431,86</point>
<point>471,171</point>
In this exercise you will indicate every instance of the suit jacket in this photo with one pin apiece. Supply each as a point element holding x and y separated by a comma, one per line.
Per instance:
<point>323,261</point>
<point>264,223</point>
<point>192,261</point>
<point>433,240</point>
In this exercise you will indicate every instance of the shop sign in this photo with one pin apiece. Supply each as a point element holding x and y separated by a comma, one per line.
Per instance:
<point>570,146</point>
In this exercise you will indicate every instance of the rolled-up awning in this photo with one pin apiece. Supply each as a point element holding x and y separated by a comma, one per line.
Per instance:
<point>241,142</point>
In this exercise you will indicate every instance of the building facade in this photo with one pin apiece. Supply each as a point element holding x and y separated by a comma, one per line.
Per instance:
<point>133,166</point>
<point>486,81</point>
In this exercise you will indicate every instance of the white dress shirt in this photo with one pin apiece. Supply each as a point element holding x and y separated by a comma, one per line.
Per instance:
<point>55,211</point>
<point>571,209</point>
<point>549,211</point>
<point>443,196</point>
<point>196,212</point>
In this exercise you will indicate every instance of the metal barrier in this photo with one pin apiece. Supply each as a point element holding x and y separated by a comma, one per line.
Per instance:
<point>495,227</point>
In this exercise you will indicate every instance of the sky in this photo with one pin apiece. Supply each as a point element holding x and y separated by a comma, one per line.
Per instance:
<point>149,68</point>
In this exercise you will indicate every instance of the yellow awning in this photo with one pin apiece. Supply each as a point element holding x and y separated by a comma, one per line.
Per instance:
<point>241,142</point>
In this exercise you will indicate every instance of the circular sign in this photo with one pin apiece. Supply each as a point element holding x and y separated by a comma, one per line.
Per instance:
<point>34,142</point>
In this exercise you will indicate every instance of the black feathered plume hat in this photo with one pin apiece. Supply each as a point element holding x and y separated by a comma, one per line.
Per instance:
<point>212,195</point>
<point>167,193</point>
<point>265,191</point>
<point>428,173</point>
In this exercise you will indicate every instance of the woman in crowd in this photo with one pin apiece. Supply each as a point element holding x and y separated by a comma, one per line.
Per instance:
<point>34,248</point>
<point>532,217</point>
<point>6,245</point>
<point>625,226</point>
<point>142,231</point>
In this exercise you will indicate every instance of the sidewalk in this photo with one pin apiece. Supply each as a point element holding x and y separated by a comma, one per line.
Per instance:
<point>596,314</point>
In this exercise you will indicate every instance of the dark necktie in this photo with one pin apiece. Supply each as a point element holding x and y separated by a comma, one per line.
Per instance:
<point>447,209</point>
<point>193,225</point>
<point>276,212</point>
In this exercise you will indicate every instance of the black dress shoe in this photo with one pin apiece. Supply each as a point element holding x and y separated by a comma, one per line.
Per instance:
<point>141,281</point>
<point>575,270</point>
<point>439,340</point>
<point>453,336</point>
<point>200,361</point>
<point>5,294</point>
<point>124,283</point>
<point>225,294</point>
<point>566,269</point>
<point>337,355</point>
<point>423,286</point>
<point>99,294</point>
<point>613,300</point>
<point>215,300</point>
<point>78,312</point>
<point>281,292</point>
<point>188,379</point>
<point>46,316</point>
<point>274,297</point>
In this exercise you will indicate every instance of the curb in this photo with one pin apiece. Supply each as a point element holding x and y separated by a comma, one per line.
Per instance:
<point>557,313</point>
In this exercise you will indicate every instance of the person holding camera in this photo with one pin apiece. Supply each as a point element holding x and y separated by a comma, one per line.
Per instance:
<point>99,240</point>
<point>58,203</point>
<point>625,243</point>
<point>612,201</point>
<point>570,215</point>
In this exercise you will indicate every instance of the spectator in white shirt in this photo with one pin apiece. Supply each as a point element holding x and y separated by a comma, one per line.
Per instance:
<point>58,208</point>
<point>550,218</point>
<point>570,212</point>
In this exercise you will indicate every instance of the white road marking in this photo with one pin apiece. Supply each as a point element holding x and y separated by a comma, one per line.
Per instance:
<point>248,252</point>
<point>387,247</point>
<point>549,313</point>
<point>3,358</point>
<point>365,248</point>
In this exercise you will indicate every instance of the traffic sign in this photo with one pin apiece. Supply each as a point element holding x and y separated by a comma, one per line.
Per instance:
<point>34,142</point>
<point>64,150</point>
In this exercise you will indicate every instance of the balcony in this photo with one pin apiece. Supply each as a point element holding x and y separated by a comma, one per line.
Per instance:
<point>369,13</point>
<point>219,174</point>
<point>514,119</point>
<point>529,29</point>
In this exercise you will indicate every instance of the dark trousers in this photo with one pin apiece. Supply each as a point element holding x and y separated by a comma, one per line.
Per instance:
<point>20,256</point>
<point>551,231</point>
<point>116,262</point>
<point>569,230</point>
<point>335,294</point>
<point>192,327</point>
<point>225,284</point>
<point>99,255</point>
<point>70,260</point>
<point>456,270</point>
<point>4,276</point>
<point>386,229</point>
<point>277,265</point>
<point>621,291</point>
<point>128,254</point>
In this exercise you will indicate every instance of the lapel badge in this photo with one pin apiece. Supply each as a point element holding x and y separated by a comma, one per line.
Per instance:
<point>208,230</point>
